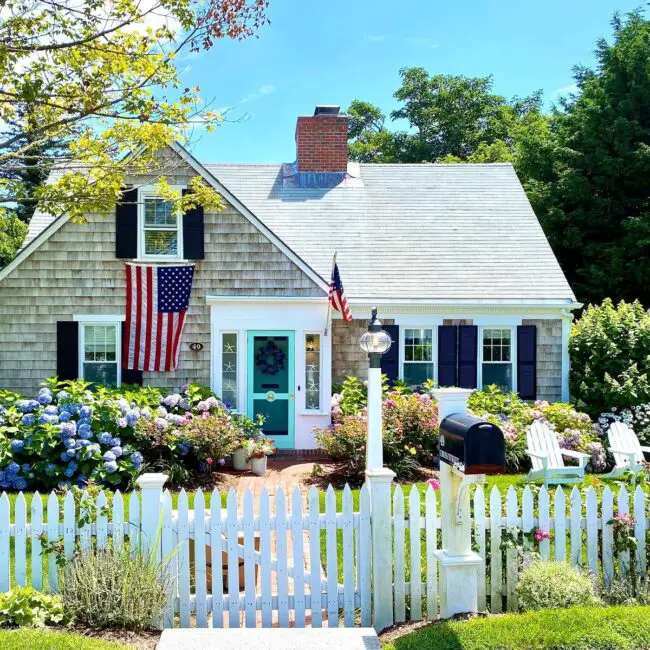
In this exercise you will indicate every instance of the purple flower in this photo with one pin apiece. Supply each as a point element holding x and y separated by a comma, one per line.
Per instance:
<point>51,410</point>
<point>161,411</point>
<point>70,443</point>
<point>64,416</point>
<point>222,462</point>
<point>136,459</point>
<point>20,483</point>
<point>110,466</point>
<point>116,451</point>
<point>28,420</point>
<point>161,424</point>
<point>17,445</point>
<point>170,401</point>
<point>122,423</point>
<point>13,468</point>
<point>109,456</point>
<point>185,388</point>
<point>68,429</point>
<point>44,398</point>
<point>185,405</point>
<point>203,406</point>
<point>105,438</point>
<point>116,442</point>
<point>132,417</point>
<point>145,413</point>
<point>84,432</point>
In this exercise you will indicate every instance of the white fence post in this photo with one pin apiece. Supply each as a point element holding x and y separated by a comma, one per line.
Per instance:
<point>379,482</point>
<point>151,486</point>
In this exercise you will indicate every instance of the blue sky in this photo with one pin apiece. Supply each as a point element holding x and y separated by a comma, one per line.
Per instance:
<point>316,51</point>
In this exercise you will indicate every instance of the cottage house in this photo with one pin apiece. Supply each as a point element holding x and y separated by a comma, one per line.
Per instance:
<point>452,256</point>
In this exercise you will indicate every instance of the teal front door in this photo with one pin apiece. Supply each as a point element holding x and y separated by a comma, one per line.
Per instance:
<point>271,384</point>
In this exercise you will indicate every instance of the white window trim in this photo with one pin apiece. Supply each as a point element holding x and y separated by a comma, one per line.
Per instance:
<point>305,409</point>
<point>101,320</point>
<point>219,367</point>
<point>513,353</point>
<point>150,191</point>
<point>402,348</point>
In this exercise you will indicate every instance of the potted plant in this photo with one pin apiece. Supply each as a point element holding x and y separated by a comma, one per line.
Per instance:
<point>249,430</point>
<point>257,453</point>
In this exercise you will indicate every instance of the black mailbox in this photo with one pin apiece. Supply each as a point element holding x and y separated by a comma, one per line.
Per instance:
<point>471,445</point>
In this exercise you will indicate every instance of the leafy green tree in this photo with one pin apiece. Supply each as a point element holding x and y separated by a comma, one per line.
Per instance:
<point>610,357</point>
<point>101,79</point>
<point>594,197</point>
<point>12,234</point>
<point>451,119</point>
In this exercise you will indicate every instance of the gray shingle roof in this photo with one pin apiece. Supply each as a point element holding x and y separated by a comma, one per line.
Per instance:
<point>436,232</point>
<point>445,232</point>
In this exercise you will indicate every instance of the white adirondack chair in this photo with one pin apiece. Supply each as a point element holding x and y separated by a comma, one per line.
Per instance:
<point>546,457</point>
<point>627,451</point>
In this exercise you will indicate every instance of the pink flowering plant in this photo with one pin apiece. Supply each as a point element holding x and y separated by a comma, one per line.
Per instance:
<point>410,430</point>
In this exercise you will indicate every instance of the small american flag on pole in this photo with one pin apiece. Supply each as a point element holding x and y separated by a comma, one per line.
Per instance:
<point>157,298</point>
<point>337,295</point>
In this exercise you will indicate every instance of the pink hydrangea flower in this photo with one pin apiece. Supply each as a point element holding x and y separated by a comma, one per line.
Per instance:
<point>541,534</point>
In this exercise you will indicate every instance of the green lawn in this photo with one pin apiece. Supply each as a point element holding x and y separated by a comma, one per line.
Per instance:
<point>583,628</point>
<point>24,639</point>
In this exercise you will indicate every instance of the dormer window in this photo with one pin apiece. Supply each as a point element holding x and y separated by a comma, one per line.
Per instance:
<point>160,228</point>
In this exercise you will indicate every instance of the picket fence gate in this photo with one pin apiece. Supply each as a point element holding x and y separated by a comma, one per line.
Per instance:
<point>289,548</point>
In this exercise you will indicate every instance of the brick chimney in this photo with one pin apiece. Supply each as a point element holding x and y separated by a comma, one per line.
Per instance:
<point>322,141</point>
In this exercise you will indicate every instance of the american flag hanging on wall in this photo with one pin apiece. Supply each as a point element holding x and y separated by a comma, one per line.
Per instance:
<point>337,295</point>
<point>157,298</point>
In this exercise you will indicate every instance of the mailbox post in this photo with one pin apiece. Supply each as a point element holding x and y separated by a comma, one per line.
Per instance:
<point>469,448</point>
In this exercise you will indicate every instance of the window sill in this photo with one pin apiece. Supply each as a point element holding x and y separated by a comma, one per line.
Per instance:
<point>160,260</point>
<point>313,412</point>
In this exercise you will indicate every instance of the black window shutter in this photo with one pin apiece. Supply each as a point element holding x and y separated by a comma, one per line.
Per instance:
<point>467,356</point>
<point>126,225</point>
<point>67,349</point>
<point>193,233</point>
<point>527,361</point>
<point>390,360</point>
<point>129,376</point>
<point>447,345</point>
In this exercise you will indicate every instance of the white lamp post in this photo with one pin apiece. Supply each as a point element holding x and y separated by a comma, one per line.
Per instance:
<point>375,342</point>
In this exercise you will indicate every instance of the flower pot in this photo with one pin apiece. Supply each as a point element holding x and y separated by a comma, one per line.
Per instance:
<point>258,466</point>
<point>239,462</point>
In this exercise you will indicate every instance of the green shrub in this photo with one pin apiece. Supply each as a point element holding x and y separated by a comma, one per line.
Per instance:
<point>610,357</point>
<point>112,588</point>
<point>27,607</point>
<point>554,585</point>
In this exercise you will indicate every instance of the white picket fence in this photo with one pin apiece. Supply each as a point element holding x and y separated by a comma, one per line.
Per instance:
<point>288,549</point>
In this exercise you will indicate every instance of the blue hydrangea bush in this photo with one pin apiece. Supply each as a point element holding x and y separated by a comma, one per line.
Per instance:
<point>72,433</point>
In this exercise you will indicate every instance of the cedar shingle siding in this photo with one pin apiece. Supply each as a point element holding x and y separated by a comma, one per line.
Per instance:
<point>76,272</point>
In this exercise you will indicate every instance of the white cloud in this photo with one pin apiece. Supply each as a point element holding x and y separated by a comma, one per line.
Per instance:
<point>422,41</point>
<point>571,89</point>
<point>262,91</point>
<point>379,38</point>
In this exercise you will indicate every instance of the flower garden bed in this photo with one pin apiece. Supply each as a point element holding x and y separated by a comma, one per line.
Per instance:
<point>70,435</point>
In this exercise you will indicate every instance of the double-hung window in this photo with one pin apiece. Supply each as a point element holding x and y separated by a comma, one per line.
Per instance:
<point>497,357</point>
<point>418,355</point>
<point>161,233</point>
<point>99,357</point>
